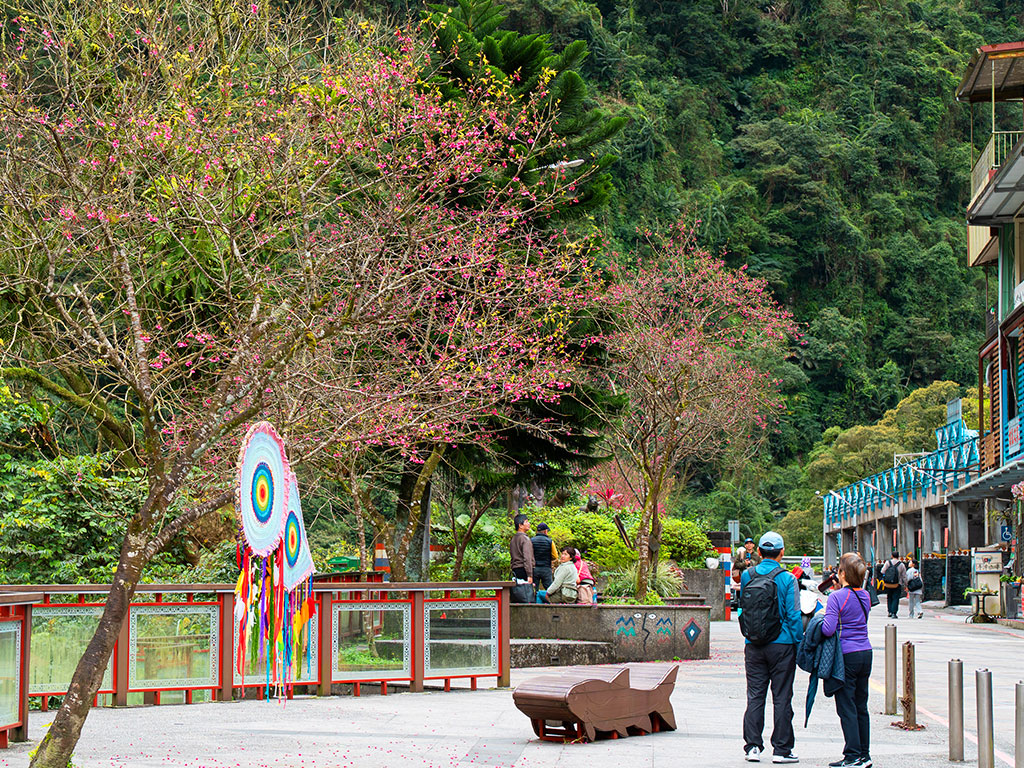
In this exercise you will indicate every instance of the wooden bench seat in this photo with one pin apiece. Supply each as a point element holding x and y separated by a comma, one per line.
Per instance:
<point>588,702</point>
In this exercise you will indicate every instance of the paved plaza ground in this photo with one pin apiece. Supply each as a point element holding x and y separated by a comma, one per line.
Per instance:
<point>482,729</point>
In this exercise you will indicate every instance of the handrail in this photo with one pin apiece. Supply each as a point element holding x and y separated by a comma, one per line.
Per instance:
<point>926,474</point>
<point>992,157</point>
<point>318,586</point>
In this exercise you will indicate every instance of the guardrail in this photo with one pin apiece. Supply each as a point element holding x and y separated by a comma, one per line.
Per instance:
<point>180,639</point>
<point>955,463</point>
<point>991,158</point>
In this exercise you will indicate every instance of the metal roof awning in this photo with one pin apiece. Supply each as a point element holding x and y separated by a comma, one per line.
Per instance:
<point>994,69</point>
<point>1003,196</point>
<point>994,484</point>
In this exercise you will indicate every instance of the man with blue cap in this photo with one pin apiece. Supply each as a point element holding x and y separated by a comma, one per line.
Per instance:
<point>771,623</point>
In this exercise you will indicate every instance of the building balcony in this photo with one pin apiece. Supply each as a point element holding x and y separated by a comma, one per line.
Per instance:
<point>995,75</point>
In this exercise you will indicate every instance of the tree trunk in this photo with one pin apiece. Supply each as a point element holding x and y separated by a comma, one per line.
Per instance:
<point>654,545</point>
<point>643,565</point>
<point>411,505</point>
<point>56,747</point>
<point>425,516</point>
<point>357,508</point>
<point>460,553</point>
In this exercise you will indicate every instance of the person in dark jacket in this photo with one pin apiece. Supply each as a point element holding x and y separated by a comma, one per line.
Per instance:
<point>894,589</point>
<point>544,557</point>
<point>847,613</point>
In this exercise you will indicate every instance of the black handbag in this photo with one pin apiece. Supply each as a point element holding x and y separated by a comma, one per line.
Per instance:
<point>523,593</point>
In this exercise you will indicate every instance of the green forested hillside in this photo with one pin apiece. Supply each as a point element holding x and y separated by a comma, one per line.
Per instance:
<point>818,143</point>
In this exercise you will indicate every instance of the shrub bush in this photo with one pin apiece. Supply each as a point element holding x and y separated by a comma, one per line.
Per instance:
<point>684,542</point>
<point>593,533</point>
<point>664,581</point>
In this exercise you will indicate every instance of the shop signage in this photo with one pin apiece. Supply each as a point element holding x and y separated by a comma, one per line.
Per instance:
<point>988,561</point>
<point>1013,436</point>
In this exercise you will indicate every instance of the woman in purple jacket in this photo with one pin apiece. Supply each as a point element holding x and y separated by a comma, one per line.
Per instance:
<point>847,613</point>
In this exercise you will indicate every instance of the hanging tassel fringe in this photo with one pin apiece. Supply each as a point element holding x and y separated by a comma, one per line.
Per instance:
<point>273,625</point>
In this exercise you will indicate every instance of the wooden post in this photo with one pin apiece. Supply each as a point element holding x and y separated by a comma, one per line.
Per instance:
<point>504,633</point>
<point>909,700</point>
<point>21,732</point>
<point>121,664</point>
<point>227,646</point>
<point>418,641</point>
<point>325,626</point>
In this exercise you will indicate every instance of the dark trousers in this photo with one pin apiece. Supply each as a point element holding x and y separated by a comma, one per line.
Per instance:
<point>542,576</point>
<point>852,705</point>
<point>775,665</point>
<point>520,573</point>
<point>893,596</point>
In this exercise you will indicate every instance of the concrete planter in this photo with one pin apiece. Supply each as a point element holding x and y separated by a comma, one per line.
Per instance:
<point>710,585</point>
<point>544,635</point>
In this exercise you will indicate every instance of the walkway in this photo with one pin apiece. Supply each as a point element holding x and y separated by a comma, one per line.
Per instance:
<point>482,729</point>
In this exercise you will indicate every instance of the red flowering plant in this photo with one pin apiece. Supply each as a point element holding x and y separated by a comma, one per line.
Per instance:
<point>213,218</point>
<point>690,344</point>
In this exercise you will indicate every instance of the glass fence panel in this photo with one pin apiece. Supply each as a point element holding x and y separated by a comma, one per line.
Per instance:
<point>59,637</point>
<point>10,665</point>
<point>461,637</point>
<point>371,641</point>
<point>173,646</point>
<point>307,671</point>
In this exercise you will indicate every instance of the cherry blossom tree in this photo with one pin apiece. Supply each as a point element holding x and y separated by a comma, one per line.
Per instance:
<point>215,214</point>
<point>689,345</point>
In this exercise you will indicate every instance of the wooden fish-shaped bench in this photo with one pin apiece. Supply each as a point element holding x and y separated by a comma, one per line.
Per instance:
<point>585,702</point>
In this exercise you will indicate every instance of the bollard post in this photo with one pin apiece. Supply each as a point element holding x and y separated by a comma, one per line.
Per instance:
<point>986,745</point>
<point>956,710</point>
<point>1018,752</point>
<point>909,700</point>
<point>890,669</point>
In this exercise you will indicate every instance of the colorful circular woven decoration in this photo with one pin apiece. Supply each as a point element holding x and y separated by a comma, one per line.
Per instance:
<point>292,539</point>
<point>262,495</point>
<point>298,560</point>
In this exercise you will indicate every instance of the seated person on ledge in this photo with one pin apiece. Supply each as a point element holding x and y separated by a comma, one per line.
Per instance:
<point>563,586</point>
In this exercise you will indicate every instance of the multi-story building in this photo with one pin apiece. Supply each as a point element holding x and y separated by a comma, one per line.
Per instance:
<point>951,499</point>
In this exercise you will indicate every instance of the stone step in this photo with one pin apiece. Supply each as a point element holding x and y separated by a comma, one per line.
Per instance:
<point>546,652</point>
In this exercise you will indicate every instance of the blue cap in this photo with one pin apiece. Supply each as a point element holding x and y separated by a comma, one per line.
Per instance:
<point>770,542</point>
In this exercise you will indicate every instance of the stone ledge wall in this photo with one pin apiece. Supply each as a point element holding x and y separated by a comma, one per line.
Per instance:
<point>635,632</point>
<point>710,585</point>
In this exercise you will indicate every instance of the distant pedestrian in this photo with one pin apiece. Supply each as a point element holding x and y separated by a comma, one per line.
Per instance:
<point>915,590</point>
<point>746,556</point>
<point>545,556</point>
<point>771,623</point>
<point>847,613</point>
<point>521,550</point>
<point>894,581</point>
<point>563,588</point>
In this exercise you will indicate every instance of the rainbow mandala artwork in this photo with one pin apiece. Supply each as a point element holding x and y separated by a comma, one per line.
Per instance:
<point>262,493</point>
<point>298,561</point>
<point>274,600</point>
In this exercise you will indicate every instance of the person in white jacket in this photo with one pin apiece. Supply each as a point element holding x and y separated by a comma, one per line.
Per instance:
<point>914,595</point>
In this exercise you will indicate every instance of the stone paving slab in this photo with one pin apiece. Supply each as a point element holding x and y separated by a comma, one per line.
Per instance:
<point>482,729</point>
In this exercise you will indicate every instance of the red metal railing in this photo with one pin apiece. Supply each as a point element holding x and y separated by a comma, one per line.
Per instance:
<point>176,642</point>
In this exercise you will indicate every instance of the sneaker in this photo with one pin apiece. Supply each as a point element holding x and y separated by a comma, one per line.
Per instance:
<point>844,762</point>
<point>753,755</point>
<point>864,762</point>
<point>788,758</point>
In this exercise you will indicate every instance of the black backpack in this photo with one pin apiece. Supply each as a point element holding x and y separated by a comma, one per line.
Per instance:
<point>760,621</point>
<point>891,574</point>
